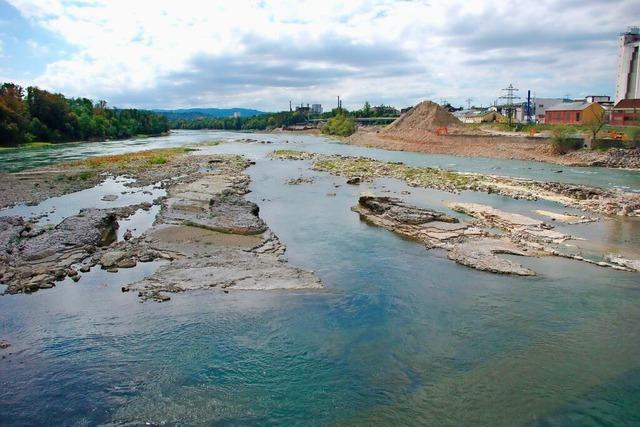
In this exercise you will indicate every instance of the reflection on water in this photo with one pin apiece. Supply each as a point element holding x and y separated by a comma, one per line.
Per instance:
<point>53,210</point>
<point>403,336</point>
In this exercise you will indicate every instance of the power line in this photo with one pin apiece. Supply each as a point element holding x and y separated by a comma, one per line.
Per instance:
<point>509,97</point>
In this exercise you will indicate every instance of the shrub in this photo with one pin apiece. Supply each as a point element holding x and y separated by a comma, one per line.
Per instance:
<point>633,134</point>
<point>340,125</point>
<point>563,140</point>
<point>159,160</point>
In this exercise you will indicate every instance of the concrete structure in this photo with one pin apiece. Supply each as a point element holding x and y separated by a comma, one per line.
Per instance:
<point>302,109</point>
<point>316,108</point>
<point>598,98</point>
<point>574,113</point>
<point>626,113</point>
<point>540,106</point>
<point>628,81</point>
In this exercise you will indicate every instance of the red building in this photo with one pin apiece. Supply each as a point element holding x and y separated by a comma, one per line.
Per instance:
<point>626,113</point>
<point>573,113</point>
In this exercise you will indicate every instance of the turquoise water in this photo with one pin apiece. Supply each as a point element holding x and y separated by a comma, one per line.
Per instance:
<point>400,336</point>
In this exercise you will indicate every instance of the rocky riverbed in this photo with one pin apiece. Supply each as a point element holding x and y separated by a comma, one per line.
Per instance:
<point>477,242</point>
<point>207,233</point>
<point>487,233</point>
<point>586,198</point>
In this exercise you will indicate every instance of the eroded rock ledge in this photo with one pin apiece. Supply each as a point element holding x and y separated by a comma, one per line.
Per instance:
<point>474,243</point>
<point>217,240</point>
<point>35,258</point>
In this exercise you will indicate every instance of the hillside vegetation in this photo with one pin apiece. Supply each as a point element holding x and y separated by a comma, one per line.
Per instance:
<point>42,116</point>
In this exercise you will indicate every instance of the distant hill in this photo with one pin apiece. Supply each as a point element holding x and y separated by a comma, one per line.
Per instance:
<point>194,113</point>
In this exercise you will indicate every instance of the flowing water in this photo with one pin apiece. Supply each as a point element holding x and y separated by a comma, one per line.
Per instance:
<point>400,336</point>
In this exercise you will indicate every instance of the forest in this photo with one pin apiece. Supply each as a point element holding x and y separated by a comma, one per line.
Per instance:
<point>36,115</point>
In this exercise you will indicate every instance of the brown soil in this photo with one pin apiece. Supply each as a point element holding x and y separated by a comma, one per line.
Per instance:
<point>474,145</point>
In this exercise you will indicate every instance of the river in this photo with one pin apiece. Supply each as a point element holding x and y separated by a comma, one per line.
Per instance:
<point>401,336</point>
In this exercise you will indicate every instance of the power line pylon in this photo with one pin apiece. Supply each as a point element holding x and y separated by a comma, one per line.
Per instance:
<point>509,97</point>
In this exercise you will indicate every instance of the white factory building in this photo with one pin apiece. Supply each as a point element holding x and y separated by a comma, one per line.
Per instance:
<point>627,82</point>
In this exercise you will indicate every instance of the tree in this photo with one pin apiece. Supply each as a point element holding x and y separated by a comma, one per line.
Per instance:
<point>366,110</point>
<point>341,125</point>
<point>595,125</point>
<point>13,114</point>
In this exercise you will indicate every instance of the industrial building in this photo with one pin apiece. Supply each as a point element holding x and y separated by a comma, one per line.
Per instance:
<point>627,82</point>
<point>626,113</point>
<point>316,108</point>
<point>574,113</point>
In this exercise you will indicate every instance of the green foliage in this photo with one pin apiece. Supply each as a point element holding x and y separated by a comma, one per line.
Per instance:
<point>50,117</point>
<point>340,125</point>
<point>564,141</point>
<point>261,122</point>
<point>83,176</point>
<point>158,160</point>
<point>380,111</point>
<point>633,136</point>
<point>13,120</point>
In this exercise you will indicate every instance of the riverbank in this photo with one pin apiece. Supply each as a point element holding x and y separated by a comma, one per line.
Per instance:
<point>493,146</point>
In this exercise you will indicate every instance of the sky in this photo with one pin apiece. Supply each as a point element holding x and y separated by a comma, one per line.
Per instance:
<point>262,54</point>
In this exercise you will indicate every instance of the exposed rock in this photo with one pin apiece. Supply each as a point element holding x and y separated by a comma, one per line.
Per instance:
<point>90,228</point>
<point>612,158</point>
<point>497,217</point>
<point>592,199</point>
<point>398,211</point>
<point>11,229</point>
<point>126,263</point>
<point>128,235</point>
<point>300,180</point>
<point>474,244</point>
<point>225,268</point>
<point>481,255</point>
<point>467,244</point>
<point>111,258</point>
<point>354,180</point>
<point>214,202</point>
<point>216,240</point>
<point>109,198</point>
<point>39,258</point>
<point>631,264</point>
<point>292,155</point>
<point>565,218</point>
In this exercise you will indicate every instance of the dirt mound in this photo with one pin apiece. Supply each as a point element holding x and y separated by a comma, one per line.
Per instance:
<point>427,116</point>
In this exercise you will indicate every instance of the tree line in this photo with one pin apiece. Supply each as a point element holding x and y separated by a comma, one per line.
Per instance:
<point>278,120</point>
<point>39,115</point>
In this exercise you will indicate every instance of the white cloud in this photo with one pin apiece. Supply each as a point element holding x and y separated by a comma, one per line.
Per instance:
<point>148,53</point>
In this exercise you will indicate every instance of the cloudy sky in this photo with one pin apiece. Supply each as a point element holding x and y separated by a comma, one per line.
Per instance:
<point>261,54</point>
